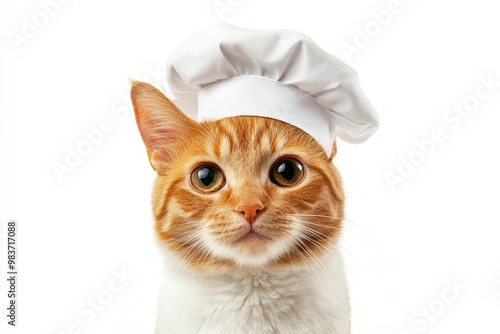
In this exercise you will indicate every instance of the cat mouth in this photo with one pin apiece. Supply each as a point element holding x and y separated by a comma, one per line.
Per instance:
<point>252,236</point>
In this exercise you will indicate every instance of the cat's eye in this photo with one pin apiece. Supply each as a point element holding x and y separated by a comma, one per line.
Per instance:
<point>286,172</point>
<point>207,178</point>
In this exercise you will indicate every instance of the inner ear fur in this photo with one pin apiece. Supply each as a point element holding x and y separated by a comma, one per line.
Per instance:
<point>161,124</point>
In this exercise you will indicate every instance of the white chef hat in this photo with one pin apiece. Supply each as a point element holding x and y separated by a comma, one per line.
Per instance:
<point>225,71</point>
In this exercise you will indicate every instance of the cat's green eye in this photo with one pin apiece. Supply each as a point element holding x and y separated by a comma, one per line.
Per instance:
<point>286,172</point>
<point>207,178</point>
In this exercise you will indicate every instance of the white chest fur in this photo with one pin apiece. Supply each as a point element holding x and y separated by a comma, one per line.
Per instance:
<point>309,300</point>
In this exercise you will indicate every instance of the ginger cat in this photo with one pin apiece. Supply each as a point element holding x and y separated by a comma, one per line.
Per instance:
<point>248,214</point>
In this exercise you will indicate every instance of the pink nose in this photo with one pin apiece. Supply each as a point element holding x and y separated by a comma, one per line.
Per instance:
<point>250,211</point>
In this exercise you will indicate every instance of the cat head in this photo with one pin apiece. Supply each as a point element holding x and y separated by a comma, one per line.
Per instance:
<point>238,194</point>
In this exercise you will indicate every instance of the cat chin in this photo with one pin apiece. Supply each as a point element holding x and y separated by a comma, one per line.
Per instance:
<point>251,252</point>
<point>252,239</point>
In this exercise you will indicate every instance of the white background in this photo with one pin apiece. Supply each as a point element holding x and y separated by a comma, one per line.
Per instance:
<point>403,246</point>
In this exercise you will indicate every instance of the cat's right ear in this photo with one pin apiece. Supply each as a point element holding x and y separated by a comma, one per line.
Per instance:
<point>334,149</point>
<point>161,124</point>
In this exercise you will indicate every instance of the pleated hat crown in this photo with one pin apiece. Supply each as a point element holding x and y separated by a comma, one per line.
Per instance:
<point>224,71</point>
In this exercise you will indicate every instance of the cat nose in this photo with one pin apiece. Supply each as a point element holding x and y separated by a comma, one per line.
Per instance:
<point>250,211</point>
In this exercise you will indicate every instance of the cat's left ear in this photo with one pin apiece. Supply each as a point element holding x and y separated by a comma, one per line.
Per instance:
<point>161,124</point>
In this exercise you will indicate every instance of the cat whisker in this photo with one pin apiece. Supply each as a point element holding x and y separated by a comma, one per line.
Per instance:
<point>202,257</point>
<point>192,255</point>
<point>318,234</point>
<point>339,245</point>
<point>313,257</point>
<point>345,220</point>
<point>184,253</point>
<point>328,249</point>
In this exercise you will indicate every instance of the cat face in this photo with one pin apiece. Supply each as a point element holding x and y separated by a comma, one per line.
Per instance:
<point>238,194</point>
